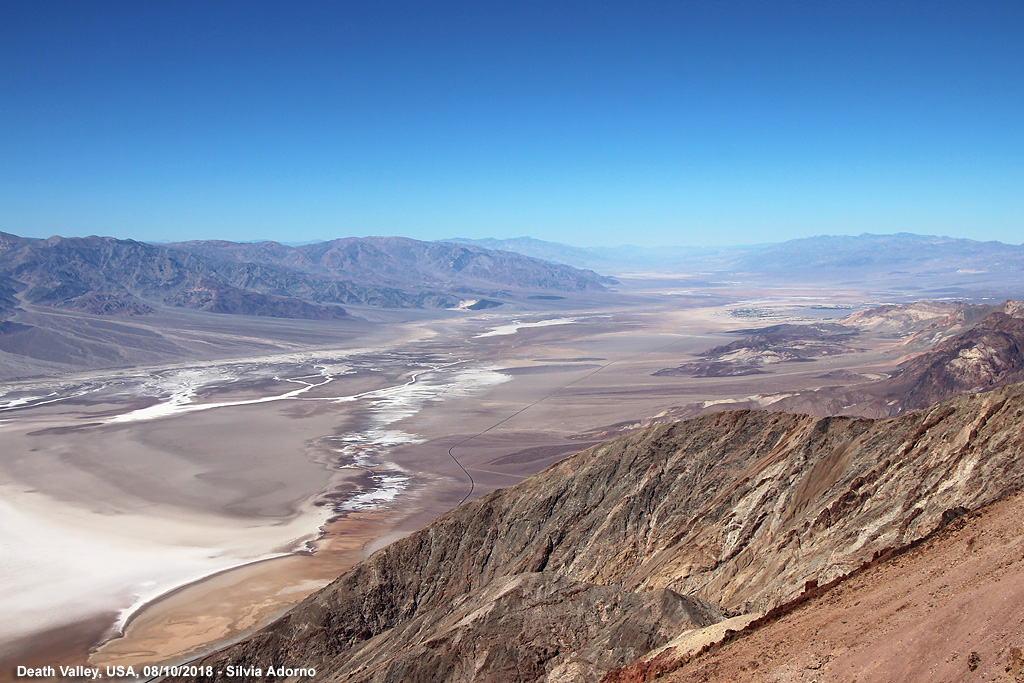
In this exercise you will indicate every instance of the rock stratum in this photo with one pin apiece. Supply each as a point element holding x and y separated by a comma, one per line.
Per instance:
<point>647,540</point>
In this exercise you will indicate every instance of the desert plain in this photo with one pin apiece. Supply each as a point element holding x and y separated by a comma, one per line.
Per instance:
<point>153,513</point>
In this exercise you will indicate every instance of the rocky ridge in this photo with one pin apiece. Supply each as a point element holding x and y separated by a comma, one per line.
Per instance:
<point>922,321</point>
<point>725,514</point>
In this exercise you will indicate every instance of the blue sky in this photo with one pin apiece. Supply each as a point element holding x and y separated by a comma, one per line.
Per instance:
<point>692,123</point>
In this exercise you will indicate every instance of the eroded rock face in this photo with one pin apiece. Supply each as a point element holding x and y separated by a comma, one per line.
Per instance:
<point>738,510</point>
<point>988,355</point>
<point>517,628</point>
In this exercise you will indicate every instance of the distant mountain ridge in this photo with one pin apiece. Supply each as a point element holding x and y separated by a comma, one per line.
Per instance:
<point>403,262</point>
<point>952,266</point>
<point>542,249</point>
<point>901,251</point>
<point>104,275</point>
<point>620,259</point>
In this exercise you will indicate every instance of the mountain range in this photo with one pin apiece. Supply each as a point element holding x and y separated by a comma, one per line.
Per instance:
<point>108,276</point>
<point>104,275</point>
<point>626,258</point>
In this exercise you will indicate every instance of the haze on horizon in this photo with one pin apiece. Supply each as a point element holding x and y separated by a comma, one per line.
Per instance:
<point>602,124</point>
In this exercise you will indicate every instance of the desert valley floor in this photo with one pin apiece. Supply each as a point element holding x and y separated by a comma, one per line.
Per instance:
<point>151,514</point>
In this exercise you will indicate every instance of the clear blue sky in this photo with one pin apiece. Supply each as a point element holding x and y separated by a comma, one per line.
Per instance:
<point>582,122</point>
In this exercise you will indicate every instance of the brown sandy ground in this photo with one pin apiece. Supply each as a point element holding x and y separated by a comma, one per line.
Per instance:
<point>950,609</point>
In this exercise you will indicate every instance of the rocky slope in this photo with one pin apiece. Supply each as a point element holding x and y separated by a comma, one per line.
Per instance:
<point>947,609</point>
<point>717,516</point>
<point>987,355</point>
<point>215,297</point>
